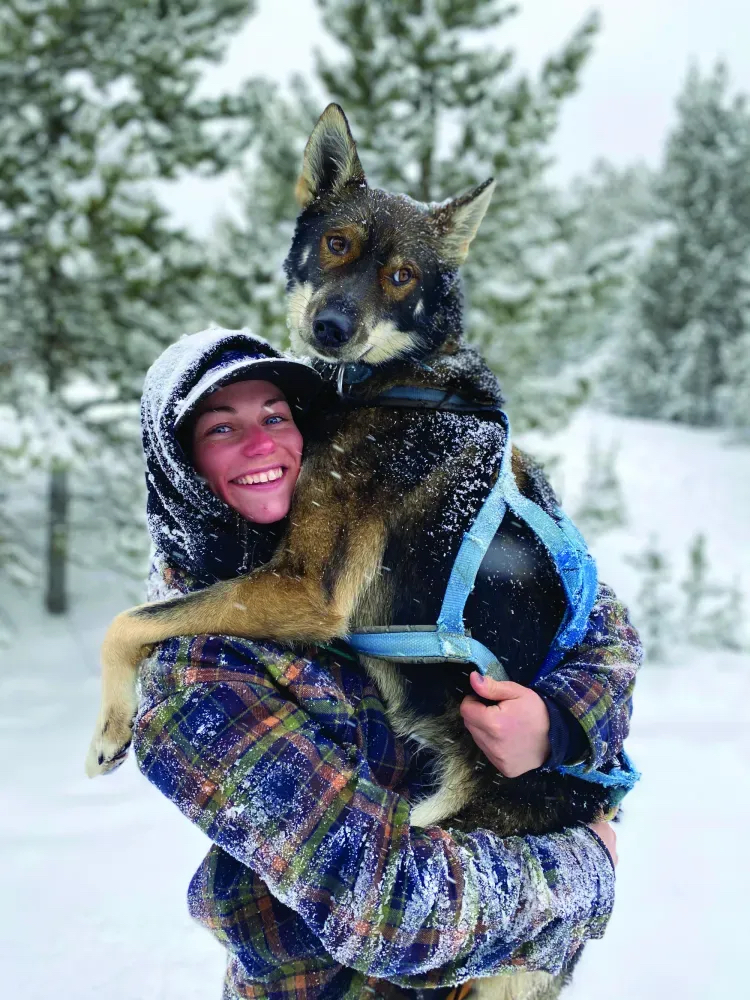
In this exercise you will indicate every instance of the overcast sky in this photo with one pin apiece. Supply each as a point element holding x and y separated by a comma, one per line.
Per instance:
<point>622,111</point>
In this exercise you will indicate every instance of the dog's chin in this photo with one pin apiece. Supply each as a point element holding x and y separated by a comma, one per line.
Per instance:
<point>386,343</point>
<point>300,344</point>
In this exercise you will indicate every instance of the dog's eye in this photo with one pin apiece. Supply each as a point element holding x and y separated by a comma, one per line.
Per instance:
<point>403,276</point>
<point>338,245</point>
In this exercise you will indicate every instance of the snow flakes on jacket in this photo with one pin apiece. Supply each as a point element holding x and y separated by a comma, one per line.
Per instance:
<point>317,884</point>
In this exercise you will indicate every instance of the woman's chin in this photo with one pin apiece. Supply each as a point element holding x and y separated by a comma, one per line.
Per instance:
<point>261,504</point>
<point>265,511</point>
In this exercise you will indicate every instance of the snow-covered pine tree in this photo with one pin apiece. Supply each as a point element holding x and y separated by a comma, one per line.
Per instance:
<point>96,101</point>
<point>18,565</point>
<point>436,110</point>
<point>434,114</point>
<point>710,615</point>
<point>734,395</point>
<point>675,357</point>
<point>618,219</point>
<point>617,207</point>
<point>654,612</point>
<point>602,505</point>
<point>725,625</point>
<point>713,614</point>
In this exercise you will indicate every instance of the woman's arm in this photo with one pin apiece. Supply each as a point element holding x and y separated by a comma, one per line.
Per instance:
<point>231,731</point>
<point>592,688</point>
<point>578,712</point>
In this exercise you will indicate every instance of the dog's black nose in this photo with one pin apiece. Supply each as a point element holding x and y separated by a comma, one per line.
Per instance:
<point>332,328</point>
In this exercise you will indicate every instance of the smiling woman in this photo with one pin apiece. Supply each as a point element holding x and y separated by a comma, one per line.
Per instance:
<point>248,449</point>
<point>316,882</point>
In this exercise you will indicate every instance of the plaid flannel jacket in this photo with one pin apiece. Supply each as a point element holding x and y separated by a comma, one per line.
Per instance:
<point>316,883</point>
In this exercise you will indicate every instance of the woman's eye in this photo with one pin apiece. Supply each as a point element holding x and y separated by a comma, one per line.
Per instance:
<point>338,245</point>
<point>275,418</point>
<point>220,429</point>
<point>403,276</point>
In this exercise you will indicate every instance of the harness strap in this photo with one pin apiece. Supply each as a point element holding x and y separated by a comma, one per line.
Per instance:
<point>419,397</point>
<point>449,639</point>
<point>575,565</point>
<point>621,777</point>
<point>427,644</point>
<point>476,541</point>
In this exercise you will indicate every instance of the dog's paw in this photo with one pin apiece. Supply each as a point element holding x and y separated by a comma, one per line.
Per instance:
<point>110,743</point>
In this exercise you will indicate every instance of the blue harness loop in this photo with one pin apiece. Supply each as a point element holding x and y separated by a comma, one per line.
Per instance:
<point>449,639</point>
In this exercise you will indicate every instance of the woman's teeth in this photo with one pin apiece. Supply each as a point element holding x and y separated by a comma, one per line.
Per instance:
<point>260,477</point>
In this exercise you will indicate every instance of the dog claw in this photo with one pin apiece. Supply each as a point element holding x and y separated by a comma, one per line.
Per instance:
<point>109,747</point>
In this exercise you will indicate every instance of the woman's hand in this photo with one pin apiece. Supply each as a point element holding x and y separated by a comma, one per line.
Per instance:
<point>514,733</point>
<point>606,832</point>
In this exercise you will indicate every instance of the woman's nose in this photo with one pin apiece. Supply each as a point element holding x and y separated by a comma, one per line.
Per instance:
<point>257,441</point>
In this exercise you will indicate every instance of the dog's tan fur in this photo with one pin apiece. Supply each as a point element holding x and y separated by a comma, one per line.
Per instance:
<point>517,986</point>
<point>286,601</point>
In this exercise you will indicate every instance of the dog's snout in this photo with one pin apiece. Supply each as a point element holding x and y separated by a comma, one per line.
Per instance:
<point>332,328</point>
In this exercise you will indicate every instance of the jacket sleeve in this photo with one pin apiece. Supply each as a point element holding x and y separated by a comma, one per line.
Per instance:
<point>229,733</point>
<point>594,684</point>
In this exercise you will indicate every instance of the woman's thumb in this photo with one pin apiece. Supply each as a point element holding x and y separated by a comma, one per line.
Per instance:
<point>494,690</point>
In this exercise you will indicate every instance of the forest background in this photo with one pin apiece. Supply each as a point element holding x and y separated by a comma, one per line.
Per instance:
<point>147,166</point>
<point>625,287</point>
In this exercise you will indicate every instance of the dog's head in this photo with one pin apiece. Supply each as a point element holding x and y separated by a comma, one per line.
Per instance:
<point>372,275</point>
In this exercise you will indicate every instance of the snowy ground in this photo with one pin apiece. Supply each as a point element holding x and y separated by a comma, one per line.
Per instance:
<point>94,873</point>
<point>681,919</point>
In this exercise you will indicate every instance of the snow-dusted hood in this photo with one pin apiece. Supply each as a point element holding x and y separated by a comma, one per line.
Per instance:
<point>189,526</point>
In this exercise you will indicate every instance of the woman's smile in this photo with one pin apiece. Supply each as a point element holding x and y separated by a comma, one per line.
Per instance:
<point>265,477</point>
<point>248,449</point>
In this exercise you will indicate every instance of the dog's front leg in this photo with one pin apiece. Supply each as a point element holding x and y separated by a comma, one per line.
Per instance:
<point>307,594</point>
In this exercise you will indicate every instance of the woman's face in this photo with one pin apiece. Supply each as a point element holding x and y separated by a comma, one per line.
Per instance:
<point>248,449</point>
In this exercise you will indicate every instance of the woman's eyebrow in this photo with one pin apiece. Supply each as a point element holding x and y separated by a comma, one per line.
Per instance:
<point>216,409</point>
<point>276,399</point>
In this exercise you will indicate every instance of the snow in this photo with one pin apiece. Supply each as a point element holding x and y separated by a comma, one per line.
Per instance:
<point>95,874</point>
<point>677,482</point>
<point>680,922</point>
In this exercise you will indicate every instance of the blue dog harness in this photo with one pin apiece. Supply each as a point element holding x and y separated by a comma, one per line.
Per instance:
<point>450,640</point>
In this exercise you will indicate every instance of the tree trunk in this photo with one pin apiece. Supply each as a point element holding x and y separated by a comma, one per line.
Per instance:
<point>56,599</point>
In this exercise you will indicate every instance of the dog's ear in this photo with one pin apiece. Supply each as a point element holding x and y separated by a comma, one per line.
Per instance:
<point>458,221</point>
<point>330,161</point>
